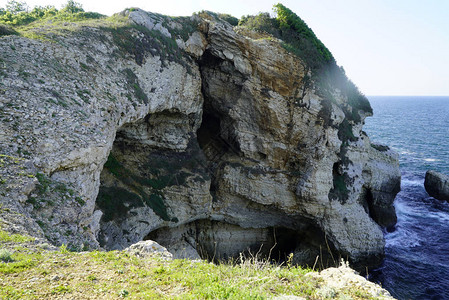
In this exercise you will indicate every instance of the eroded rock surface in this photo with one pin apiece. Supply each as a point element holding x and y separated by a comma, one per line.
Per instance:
<point>206,138</point>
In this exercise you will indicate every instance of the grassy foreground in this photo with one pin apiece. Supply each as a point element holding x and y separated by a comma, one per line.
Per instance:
<point>29,271</point>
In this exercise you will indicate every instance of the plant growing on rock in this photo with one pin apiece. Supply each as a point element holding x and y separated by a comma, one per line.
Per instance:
<point>5,255</point>
<point>300,40</point>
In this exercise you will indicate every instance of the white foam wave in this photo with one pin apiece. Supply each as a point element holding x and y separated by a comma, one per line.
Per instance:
<point>431,159</point>
<point>412,182</point>
<point>443,217</point>
<point>407,212</point>
<point>405,152</point>
<point>402,239</point>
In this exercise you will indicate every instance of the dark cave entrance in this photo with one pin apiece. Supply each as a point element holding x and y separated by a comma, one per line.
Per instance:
<point>285,242</point>
<point>151,160</point>
<point>368,203</point>
<point>209,137</point>
<point>381,215</point>
<point>210,240</point>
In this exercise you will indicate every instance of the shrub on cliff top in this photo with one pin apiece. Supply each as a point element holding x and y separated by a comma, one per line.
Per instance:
<point>18,13</point>
<point>300,40</point>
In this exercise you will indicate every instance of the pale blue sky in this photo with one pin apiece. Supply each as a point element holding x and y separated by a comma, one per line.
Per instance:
<point>387,47</point>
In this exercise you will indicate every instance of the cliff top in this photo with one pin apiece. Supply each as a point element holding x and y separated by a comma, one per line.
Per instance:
<point>30,271</point>
<point>294,34</point>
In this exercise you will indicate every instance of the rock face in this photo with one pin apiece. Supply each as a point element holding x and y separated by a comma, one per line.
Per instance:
<point>200,136</point>
<point>437,185</point>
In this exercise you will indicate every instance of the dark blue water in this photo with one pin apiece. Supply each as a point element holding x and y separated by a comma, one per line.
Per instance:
<point>417,252</point>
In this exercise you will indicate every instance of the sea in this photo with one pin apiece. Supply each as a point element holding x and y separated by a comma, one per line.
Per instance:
<point>416,264</point>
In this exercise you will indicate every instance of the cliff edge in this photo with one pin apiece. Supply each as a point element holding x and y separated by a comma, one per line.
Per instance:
<point>209,138</point>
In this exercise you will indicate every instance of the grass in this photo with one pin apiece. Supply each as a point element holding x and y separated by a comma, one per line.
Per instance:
<point>15,238</point>
<point>118,274</point>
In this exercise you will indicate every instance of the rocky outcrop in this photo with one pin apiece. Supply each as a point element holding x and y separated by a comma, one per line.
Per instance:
<point>148,249</point>
<point>208,139</point>
<point>437,185</point>
<point>336,279</point>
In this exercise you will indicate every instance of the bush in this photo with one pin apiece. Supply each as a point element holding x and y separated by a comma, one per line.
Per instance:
<point>5,255</point>
<point>5,30</point>
<point>230,19</point>
<point>17,13</point>
<point>261,22</point>
<point>300,40</point>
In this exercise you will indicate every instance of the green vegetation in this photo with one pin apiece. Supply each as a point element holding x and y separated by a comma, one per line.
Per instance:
<point>115,202</point>
<point>133,84</point>
<point>339,190</point>
<point>381,148</point>
<point>230,19</point>
<point>48,190</point>
<point>17,13</point>
<point>145,186</point>
<point>345,133</point>
<point>110,275</point>
<point>300,40</point>
<point>46,23</point>
<point>5,256</point>
<point>6,237</point>
<point>5,30</point>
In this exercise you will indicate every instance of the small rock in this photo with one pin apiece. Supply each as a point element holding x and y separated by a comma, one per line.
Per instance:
<point>55,278</point>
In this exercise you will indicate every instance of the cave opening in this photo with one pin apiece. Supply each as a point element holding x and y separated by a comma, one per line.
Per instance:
<point>209,137</point>
<point>219,241</point>
<point>154,165</point>
<point>286,242</point>
<point>369,204</point>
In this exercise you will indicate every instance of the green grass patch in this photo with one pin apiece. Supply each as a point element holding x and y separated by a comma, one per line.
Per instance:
<point>5,256</point>
<point>14,237</point>
<point>18,14</point>
<point>110,275</point>
<point>21,262</point>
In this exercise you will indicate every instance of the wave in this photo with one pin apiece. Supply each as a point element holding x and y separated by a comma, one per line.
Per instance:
<point>412,182</point>
<point>442,217</point>
<point>431,159</point>
<point>402,238</point>
<point>406,152</point>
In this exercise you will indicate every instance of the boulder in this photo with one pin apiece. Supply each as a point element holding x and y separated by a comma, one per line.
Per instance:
<point>437,185</point>
<point>149,248</point>
<point>336,279</point>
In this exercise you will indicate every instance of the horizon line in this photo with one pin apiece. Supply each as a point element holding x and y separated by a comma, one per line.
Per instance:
<point>406,95</point>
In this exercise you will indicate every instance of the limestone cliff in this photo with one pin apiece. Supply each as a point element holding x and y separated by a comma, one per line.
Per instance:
<point>208,138</point>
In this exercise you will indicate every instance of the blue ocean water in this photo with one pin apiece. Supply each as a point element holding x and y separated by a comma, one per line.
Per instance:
<point>416,265</point>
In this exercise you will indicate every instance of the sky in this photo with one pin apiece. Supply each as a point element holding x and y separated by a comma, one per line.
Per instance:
<point>387,47</point>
